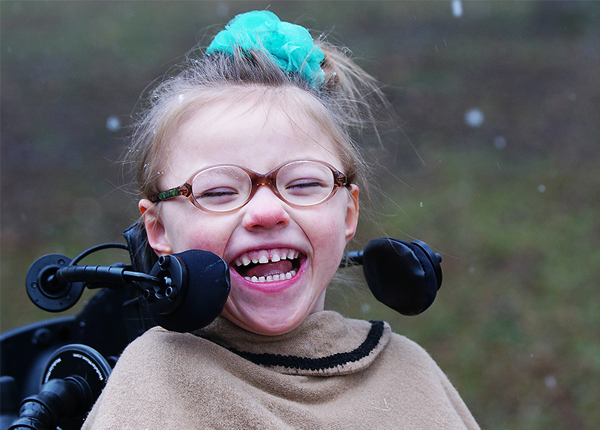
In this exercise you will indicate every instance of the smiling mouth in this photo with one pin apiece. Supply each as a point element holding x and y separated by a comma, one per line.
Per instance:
<point>268,266</point>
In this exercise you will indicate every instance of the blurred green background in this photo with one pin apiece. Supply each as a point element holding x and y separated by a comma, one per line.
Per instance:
<point>494,161</point>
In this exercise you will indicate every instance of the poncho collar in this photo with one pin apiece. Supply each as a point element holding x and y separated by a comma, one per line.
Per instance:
<point>325,344</point>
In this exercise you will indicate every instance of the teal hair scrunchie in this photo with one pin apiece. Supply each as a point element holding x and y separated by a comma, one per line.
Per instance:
<point>288,45</point>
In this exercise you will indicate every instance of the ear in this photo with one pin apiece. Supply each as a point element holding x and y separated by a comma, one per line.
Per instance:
<point>157,235</point>
<point>352,212</point>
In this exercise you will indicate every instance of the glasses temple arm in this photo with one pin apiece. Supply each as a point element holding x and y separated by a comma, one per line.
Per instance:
<point>183,190</point>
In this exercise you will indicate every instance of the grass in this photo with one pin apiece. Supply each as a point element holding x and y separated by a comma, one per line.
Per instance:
<point>515,324</point>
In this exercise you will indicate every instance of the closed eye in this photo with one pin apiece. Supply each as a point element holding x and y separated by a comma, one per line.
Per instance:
<point>305,188</point>
<point>217,195</point>
<point>305,183</point>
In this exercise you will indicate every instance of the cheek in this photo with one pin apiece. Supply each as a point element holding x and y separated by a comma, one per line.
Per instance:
<point>328,235</point>
<point>193,229</point>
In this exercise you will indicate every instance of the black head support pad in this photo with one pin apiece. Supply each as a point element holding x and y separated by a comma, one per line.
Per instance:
<point>197,294</point>
<point>404,276</point>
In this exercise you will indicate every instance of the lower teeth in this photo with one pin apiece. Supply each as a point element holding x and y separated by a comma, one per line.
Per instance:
<point>271,278</point>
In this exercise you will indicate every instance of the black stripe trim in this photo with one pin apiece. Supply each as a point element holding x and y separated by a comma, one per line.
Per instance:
<point>305,363</point>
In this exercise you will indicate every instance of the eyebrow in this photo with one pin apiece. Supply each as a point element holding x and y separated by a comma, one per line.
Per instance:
<point>224,170</point>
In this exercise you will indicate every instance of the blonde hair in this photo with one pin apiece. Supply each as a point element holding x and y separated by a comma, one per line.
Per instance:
<point>348,101</point>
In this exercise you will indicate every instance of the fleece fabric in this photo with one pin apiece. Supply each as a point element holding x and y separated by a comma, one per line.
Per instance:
<point>329,373</point>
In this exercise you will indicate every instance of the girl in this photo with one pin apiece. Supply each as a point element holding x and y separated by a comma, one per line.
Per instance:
<point>247,153</point>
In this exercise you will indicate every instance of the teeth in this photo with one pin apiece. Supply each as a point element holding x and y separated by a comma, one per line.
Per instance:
<point>263,257</point>
<point>271,278</point>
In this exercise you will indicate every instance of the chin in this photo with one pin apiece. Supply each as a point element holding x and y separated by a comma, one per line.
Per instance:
<point>269,324</point>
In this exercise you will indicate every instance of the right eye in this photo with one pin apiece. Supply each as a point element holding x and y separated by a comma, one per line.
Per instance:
<point>220,188</point>
<point>217,196</point>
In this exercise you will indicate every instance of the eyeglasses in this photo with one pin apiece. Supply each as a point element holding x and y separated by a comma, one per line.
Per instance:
<point>225,188</point>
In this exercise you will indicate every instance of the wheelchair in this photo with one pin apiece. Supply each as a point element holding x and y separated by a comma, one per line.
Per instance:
<point>52,372</point>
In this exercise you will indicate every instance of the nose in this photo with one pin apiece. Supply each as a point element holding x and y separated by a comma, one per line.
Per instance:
<point>265,210</point>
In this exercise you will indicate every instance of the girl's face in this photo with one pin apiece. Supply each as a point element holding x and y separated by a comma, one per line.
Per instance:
<point>306,243</point>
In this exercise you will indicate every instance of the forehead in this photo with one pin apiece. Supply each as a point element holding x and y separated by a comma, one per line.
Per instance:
<point>258,130</point>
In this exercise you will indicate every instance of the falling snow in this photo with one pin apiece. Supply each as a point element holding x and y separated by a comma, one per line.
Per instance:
<point>474,117</point>
<point>457,9</point>
<point>113,123</point>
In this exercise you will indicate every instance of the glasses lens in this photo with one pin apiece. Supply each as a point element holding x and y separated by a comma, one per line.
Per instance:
<point>221,188</point>
<point>305,183</point>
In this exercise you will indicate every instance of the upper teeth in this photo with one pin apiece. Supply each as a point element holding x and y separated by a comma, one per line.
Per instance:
<point>262,257</point>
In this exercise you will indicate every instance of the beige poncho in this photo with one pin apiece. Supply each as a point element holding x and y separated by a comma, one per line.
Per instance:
<point>330,373</point>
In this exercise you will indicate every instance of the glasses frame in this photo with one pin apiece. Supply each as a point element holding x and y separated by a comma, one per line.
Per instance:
<point>257,180</point>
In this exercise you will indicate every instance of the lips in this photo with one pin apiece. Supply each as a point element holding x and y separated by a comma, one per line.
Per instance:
<point>268,265</point>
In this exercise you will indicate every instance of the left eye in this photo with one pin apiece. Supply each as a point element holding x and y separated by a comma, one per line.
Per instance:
<point>309,187</point>
<point>304,183</point>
